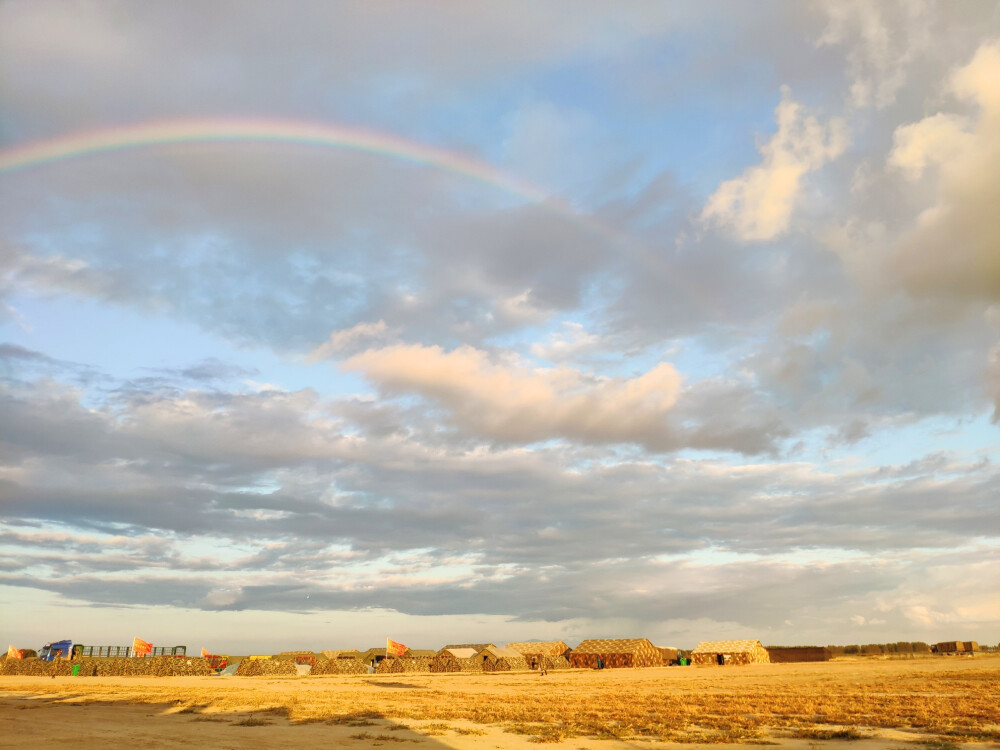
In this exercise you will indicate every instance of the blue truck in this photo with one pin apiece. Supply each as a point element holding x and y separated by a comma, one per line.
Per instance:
<point>50,651</point>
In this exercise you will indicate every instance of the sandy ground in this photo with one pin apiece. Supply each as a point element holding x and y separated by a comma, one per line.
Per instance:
<point>82,713</point>
<point>46,724</point>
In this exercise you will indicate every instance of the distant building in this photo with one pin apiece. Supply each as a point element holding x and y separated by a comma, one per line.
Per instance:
<point>730,653</point>
<point>955,647</point>
<point>786,654</point>
<point>949,647</point>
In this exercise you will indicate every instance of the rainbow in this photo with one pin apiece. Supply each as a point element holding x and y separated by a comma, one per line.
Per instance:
<point>151,134</point>
<point>325,135</point>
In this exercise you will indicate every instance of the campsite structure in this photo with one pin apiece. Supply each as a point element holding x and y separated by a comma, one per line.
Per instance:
<point>541,653</point>
<point>456,659</point>
<point>726,653</point>
<point>614,653</point>
<point>501,659</point>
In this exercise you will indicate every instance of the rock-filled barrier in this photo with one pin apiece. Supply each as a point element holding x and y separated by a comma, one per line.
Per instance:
<point>157,666</point>
<point>339,666</point>
<point>265,668</point>
<point>404,664</point>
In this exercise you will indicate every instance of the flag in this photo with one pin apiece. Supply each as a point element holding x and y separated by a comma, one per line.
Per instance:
<point>205,654</point>
<point>394,649</point>
<point>141,648</point>
<point>13,653</point>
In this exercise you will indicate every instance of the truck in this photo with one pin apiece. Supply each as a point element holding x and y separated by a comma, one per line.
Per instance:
<point>67,649</point>
<point>50,651</point>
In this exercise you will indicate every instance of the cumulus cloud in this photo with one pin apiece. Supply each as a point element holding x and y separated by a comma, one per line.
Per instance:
<point>953,248</point>
<point>229,501</point>
<point>510,401</point>
<point>758,205</point>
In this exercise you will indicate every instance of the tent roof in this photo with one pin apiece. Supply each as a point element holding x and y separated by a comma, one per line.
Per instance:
<point>545,648</point>
<point>334,653</point>
<point>613,646</point>
<point>460,653</point>
<point>719,647</point>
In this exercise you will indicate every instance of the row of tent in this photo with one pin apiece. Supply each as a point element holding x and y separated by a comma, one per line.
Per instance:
<point>590,654</point>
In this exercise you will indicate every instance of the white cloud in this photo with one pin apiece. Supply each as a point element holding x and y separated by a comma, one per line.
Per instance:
<point>758,205</point>
<point>509,400</point>
<point>938,139</point>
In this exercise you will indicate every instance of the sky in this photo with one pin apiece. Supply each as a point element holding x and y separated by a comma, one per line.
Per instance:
<point>322,323</point>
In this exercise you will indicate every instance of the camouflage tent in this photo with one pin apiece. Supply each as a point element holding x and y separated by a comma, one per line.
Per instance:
<point>536,653</point>
<point>456,660</point>
<point>501,659</point>
<point>729,653</point>
<point>620,652</point>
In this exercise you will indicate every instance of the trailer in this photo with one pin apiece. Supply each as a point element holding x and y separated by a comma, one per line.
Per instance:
<point>102,651</point>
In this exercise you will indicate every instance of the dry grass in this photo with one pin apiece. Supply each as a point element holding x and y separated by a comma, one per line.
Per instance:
<point>953,703</point>
<point>251,721</point>
<point>849,733</point>
<point>435,730</point>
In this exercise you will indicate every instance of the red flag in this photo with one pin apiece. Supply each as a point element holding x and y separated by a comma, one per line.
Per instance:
<point>141,648</point>
<point>394,649</point>
<point>13,653</point>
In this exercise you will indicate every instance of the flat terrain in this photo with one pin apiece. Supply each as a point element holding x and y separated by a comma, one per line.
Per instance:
<point>919,703</point>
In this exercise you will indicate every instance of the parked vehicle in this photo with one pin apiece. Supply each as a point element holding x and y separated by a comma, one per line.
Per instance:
<point>67,649</point>
<point>50,651</point>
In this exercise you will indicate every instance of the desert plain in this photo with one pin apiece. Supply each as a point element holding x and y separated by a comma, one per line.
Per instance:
<point>935,703</point>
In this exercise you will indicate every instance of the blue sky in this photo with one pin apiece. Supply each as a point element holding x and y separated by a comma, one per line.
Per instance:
<point>738,376</point>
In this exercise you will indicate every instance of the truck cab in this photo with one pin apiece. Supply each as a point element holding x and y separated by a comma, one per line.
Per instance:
<point>50,651</point>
